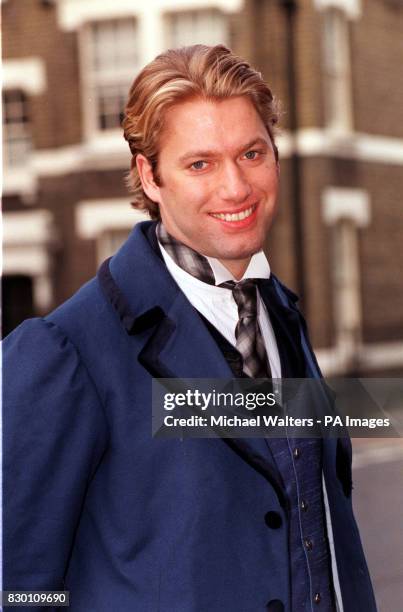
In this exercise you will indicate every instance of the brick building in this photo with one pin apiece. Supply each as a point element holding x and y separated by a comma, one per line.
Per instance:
<point>334,64</point>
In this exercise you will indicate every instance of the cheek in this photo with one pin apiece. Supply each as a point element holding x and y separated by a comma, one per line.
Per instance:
<point>270,183</point>
<point>193,193</point>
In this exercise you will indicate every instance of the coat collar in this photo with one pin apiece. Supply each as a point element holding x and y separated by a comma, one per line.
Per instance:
<point>151,306</point>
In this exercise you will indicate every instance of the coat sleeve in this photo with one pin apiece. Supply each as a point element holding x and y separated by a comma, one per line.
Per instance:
<point>54,436</point>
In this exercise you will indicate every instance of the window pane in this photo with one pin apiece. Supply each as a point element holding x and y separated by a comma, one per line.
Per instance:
<point>111,101</point>
<point>114,45</point>
<point>207,27</point>
<point>16,133</point>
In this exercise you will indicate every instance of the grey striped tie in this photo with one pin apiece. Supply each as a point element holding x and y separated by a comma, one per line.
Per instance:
<point>249,340</point>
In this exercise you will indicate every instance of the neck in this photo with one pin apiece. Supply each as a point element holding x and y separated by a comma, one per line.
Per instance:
<point>236,267</point>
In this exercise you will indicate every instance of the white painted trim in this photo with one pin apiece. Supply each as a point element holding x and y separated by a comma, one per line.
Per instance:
<point>93,217</point>
<point>229,6</point>
<point>352,8</point>
<point>73,14</point>
<point>374,455</point>
<point>342,203</point>
<point>28,74</point>
<point>27,227</point>
<point>377,356</point>
<point>30,260</point>
<point>104,152</point>
<point>390,149</point>
<point>21,181</point>
<point>354,145</point>
<point>382,355</point>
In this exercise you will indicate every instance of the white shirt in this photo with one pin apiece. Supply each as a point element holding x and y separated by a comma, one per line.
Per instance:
<point>218,306</point>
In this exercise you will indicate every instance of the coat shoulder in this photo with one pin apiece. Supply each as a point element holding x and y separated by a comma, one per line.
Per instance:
<point>47,352</point>
<point>39,355</point>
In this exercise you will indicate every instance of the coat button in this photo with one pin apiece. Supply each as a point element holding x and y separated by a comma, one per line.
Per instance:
<point>275,605</point>
<point>317,598</point>
<point>297,452</point>
<point>308,544</point>
<point>304,505</point>
<point>273,520</point>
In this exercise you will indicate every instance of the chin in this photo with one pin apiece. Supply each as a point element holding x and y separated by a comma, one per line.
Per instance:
<point>246,250</point>
<point>238,254</point>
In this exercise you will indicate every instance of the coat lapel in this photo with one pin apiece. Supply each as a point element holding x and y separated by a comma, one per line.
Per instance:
<point>182,347</point>
<point>285,320</point>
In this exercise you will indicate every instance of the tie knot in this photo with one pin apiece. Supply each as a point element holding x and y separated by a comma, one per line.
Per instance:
<point>244,294</point>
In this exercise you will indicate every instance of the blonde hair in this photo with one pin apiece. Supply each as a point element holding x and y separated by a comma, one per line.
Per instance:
<point>212,73</point>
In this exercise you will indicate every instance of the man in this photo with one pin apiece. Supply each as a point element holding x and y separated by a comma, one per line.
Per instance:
<point>93,503</point>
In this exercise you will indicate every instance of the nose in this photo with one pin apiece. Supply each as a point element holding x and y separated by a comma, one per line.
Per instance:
<point>234,185</point>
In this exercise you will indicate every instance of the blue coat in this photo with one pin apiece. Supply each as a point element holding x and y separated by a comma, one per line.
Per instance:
<point>95,505</point>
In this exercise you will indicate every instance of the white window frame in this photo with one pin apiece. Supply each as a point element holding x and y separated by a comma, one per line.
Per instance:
<point>17,137</point>
<point>92,131</point>
<point>337,79</point>
<point>94,219</point>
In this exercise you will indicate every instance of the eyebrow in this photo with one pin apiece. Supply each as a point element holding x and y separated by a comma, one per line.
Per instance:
<point>211,153</point>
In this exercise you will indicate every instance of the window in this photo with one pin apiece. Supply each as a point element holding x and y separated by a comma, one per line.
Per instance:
<point>29,238</point>
<point>111,61</point>
<point>188,28</point>
<point>345,211</point>
<point>110,241</point>
<point>346,281</point>
<point>17,138</point>
<point>108,222</point>
<point>337,92</point>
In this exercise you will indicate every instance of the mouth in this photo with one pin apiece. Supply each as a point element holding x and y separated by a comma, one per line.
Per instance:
<point>235,217</point>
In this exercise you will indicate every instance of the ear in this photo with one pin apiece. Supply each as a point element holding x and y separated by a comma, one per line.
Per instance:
<point>147,179</point>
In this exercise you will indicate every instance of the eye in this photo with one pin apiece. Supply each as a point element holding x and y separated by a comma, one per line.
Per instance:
<point>198,165</point>
<point>252,155</point>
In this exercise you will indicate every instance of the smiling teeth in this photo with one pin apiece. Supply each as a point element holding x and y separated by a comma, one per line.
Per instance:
<point>234,216</point>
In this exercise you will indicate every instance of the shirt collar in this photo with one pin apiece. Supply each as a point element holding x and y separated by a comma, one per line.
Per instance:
<point>258,268</point>
<point>207,270</point>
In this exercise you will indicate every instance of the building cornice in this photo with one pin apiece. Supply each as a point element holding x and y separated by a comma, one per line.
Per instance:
<point>27,74</point>
<point>352,8</point>
<point>73,14</point>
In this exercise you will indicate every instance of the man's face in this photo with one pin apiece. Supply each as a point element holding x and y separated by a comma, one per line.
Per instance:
<point>219,179</point>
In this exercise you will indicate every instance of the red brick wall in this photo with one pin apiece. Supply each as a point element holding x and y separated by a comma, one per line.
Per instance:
<point>30,29</point>
<point>377,75</point>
